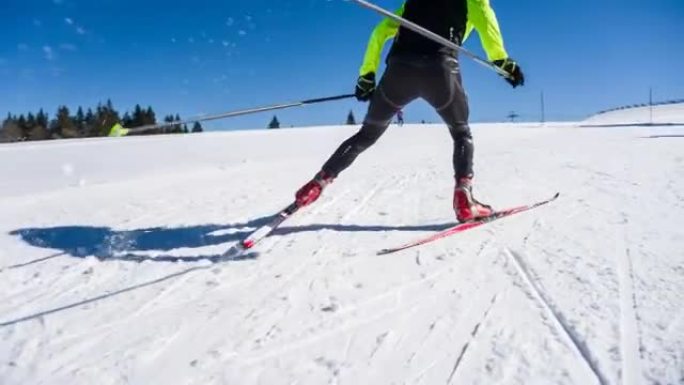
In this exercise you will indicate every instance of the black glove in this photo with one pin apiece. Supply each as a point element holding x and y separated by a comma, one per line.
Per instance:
<point>365,86</point>
<point>515,75</point>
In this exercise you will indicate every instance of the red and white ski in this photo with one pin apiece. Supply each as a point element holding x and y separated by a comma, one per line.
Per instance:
<point>461,227</point>
<point>262,232</point>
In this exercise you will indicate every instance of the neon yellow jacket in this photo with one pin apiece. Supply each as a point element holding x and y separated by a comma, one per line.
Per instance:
<point>481,17</point>
<point>118,130</point>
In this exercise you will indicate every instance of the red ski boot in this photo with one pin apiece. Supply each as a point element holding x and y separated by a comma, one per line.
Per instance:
<point>466,207</point>
<point>312,190</point>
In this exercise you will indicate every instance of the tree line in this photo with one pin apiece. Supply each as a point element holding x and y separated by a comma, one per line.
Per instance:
<point>96,122</point>
<point>85,123</point>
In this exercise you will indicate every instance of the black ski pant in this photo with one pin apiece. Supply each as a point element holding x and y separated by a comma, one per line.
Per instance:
<point>437,79</point>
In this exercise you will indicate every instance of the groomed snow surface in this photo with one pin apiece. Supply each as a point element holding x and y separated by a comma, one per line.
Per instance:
<point>664,114</point>
<point>106,250</point>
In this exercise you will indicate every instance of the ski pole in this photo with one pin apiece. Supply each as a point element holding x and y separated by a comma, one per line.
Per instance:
<point>231,114</point>
<point>432,36</point>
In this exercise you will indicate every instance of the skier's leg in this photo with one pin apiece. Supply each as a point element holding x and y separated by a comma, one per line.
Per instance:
<point>446,94</point>
<point>392,94</point>
<point>380,112</point>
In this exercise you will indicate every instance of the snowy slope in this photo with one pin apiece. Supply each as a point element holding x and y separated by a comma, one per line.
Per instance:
<point>659,114</point>
<point>106,279</point>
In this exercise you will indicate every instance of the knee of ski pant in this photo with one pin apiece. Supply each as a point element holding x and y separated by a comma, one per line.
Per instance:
<point>460,131</point>
<point>368,135</point>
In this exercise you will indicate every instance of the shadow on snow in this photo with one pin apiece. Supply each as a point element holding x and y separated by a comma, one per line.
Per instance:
<point>106,243</point>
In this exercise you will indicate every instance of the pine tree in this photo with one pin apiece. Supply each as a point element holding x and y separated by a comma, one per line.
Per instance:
<point>169,128</point>
<point>127,121</point>
<point>79,119</point>
<point>105,117</point>
<point>197,127</point>
<point>138,119</point>
<point>29,124</point>
<point>173,128</point>
<point>89,129</point>
<point>39,132</point>
<point>42,118</point>
<point>144,118</point>
<point>150,117</point>
<point>274,123</point>
<point>178,127</point>
<point>113,118</point>
<point>40,129</point>
<point>98,123</point>
<point>23,127</point>
<point>66,127</point>
<point>30,121</point>
<point>350,118</point>
<point>33,131</point>
<point>10,130</point>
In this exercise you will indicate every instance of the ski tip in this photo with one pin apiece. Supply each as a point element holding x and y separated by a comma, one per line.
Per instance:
<point>233,252</point>
<point>386,251</point>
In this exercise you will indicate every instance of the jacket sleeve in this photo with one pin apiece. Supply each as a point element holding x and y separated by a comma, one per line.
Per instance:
<point>482,18</point>
<point>384,31</point>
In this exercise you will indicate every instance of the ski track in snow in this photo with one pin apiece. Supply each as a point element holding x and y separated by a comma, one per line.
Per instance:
<point>305,267</point>
<point>630,349</point>
<point>473,334</point>
<point>562,327</point>
<point>314,272</point>
<point>581,291</point>
<point>629,332</point>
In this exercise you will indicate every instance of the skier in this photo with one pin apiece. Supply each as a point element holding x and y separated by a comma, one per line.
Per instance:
<point>400,118</point>
<point>420,68</point>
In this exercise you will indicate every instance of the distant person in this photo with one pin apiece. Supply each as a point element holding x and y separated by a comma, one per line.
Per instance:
<point>400,118</point>
<point>420,68</point>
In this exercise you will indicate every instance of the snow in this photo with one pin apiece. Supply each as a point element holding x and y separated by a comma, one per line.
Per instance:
<point>664,114</point>
<point>106,272</point>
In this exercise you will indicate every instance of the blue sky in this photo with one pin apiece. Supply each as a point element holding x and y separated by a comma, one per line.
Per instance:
<point>196,57</point>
